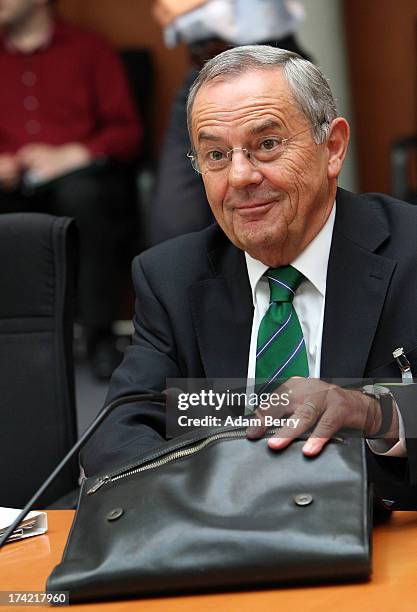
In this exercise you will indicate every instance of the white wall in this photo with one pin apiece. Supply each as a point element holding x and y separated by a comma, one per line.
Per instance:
<point>322,36</point>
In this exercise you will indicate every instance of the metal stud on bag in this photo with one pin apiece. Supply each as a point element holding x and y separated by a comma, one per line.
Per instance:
<point>303,499</point>
<point>115,514</point>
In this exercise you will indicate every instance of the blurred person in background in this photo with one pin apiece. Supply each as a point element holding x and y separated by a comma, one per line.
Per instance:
<point>67,130</point>
<point>208,27</point>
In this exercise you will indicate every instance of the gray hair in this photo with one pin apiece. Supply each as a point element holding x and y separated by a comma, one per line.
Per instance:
<point>308,85</point>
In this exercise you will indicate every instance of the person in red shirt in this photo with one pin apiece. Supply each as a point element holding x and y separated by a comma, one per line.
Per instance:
<point>67,129</point>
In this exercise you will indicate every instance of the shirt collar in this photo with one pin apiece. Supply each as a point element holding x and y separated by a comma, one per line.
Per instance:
<point>312,262</point>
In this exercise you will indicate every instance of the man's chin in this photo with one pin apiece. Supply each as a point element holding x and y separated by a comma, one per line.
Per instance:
<point>260,239</point>
<point>267,250</point>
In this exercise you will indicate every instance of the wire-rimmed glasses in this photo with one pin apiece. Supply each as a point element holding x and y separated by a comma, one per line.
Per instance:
<point>216,158</point>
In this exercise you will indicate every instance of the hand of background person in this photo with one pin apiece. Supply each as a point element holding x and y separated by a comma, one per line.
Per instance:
<point>9,172</point>
<point>49,161</point>
<point>325,408</point>
<point>165,11</point>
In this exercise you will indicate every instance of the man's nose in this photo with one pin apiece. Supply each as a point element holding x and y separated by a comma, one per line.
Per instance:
<point>242,172</point>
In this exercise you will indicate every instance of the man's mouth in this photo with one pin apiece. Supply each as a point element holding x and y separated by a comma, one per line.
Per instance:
<point>254,209</point>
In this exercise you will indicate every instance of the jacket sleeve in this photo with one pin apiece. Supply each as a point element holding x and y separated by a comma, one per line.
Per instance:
<point>395,478</point>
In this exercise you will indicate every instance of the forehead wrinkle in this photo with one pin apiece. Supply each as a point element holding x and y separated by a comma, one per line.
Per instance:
<point>215,115</point>
<point>249,88</point>
<point>261,102</point>
<point>213,95</point>
<point>221,113</point>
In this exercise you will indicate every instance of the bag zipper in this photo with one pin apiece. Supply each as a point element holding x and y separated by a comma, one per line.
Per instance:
<point>179,454</point>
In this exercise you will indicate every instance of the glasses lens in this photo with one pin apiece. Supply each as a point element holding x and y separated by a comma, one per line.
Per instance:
<point>194,161</point>
<point>211,160</point>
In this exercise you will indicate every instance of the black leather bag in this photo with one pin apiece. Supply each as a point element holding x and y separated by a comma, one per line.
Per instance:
<point>212,510</point>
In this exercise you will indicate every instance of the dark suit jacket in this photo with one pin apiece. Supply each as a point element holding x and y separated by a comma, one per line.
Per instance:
<point>193,319</point>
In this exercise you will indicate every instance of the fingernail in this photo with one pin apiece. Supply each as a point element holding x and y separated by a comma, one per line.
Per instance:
<point>311,447</point>
<point>276,442</point>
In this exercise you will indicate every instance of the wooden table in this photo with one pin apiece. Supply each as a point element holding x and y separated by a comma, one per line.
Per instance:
<point>393,588</point>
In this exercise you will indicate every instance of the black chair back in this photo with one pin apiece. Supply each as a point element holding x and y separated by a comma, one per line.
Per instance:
<point>37,406</point>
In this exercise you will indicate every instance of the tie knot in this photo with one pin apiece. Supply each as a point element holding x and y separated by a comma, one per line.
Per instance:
<point>283,283</point>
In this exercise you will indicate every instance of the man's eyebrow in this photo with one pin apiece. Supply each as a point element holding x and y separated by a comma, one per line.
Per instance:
<point>208,136</point>
<point>268,124</point>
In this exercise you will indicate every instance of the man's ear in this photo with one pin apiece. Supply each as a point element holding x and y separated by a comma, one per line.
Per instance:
<point>337,144</point>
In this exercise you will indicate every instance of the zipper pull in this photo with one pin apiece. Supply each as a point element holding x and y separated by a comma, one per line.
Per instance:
<point>98,484</point>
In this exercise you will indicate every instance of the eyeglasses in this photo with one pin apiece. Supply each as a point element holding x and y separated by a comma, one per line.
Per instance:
<point>214,159</point>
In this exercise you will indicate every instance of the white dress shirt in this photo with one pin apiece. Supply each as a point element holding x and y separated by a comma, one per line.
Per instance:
<point>309,303</point>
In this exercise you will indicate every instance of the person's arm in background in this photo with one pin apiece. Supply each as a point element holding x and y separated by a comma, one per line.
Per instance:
<point>166,11</point>
<point>119,129</point>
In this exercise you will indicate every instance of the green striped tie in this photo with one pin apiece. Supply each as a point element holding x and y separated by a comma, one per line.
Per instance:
<point>280,351</point>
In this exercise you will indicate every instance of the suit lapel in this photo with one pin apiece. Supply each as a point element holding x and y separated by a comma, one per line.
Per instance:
<point>357,284</point>
<point>222,311</point>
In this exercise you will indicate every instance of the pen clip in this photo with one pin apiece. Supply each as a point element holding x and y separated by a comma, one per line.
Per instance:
<point>404,365</point>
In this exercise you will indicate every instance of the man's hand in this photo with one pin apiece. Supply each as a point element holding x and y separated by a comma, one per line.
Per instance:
<point>325,409</point>
<point>166,11</point>
<point>9,172</point>
<point>49,161</point>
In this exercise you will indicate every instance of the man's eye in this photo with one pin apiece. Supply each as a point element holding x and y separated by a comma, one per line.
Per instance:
<point>215,155</point>
<point>270,144</point>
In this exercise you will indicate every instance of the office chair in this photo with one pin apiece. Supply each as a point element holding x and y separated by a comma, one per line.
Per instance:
<point>37,405</point>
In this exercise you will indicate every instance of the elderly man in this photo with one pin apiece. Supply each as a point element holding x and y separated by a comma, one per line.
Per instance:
<point>269,145</point>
